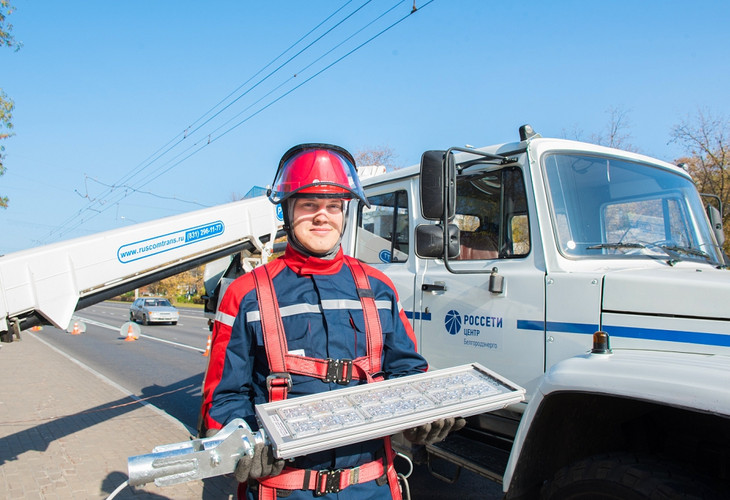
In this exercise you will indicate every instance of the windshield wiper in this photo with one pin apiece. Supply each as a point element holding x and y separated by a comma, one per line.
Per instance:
<point>615,245</point>
<point>686,250</point>
<point>673,256</point>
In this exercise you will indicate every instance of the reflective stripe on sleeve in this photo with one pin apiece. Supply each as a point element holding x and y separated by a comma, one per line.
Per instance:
<point>224,318</point>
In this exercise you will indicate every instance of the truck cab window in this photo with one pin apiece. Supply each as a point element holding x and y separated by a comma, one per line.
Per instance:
<point>383,232</point>
<point>491,212</point>
<point>605,207</point>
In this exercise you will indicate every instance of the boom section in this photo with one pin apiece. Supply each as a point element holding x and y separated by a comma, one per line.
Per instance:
<point>47,284</point>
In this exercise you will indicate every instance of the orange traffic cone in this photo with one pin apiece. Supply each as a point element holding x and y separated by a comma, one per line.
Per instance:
<point>76,330</point>
<point>130,334</point>
<point>207,348</point>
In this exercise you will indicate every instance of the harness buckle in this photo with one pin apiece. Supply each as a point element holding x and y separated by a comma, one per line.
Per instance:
<point>339,371</point>
<point>275,380</point>
<point>328,481</point>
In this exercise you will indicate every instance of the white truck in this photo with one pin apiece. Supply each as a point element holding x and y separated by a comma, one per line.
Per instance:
<point>593,277</point>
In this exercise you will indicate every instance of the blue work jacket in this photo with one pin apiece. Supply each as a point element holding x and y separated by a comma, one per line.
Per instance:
<point>322,318</point>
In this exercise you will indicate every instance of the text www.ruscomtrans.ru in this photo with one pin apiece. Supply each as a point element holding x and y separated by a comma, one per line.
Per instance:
<point>153,246</point>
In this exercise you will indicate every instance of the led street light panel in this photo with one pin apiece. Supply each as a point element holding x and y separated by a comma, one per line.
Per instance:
<point>304,425</point>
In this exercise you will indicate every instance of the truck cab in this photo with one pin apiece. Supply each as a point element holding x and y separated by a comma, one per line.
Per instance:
<point>515,255</point>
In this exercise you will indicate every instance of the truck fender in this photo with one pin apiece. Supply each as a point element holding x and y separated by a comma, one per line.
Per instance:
<point>581,396</point>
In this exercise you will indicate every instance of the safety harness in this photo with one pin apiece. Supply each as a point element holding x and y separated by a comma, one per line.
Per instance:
<point>341,371</point>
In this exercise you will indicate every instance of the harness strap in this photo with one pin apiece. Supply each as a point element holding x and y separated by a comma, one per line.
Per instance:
<point>323,482</point>
<point>279,382</point>
<point>341,371</point>
<point>390,472</point>
<point>373,329</point>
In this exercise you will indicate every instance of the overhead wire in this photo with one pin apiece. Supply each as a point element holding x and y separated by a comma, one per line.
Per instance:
<point>295,88</point>
<point>163,150</point>
<point>186,132</point>
<point>196,147</point>
<point>211,140</point>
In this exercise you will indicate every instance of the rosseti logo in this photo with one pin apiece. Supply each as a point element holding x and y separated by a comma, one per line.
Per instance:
<point>452,321</point>
<point>279,212</point>
<point>384,256</point>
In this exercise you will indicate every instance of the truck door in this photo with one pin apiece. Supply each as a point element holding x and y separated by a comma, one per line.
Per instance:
<point>462,320</point>
<point>383,238</point>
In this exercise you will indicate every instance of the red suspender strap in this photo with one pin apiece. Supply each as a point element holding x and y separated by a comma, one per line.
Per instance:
<point>390,472</point>
<point>278,382</point>
<point>373,330</point>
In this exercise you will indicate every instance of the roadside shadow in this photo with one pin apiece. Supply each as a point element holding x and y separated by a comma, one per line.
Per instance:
<point>180,400</point>
<point>184,393</point>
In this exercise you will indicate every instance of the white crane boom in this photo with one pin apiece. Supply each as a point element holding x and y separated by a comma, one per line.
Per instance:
<point>47,284</point>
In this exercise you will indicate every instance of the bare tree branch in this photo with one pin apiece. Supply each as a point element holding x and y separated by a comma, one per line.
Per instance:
<point>704,138</point>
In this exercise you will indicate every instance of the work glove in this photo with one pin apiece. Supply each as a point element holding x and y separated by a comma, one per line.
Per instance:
<point>435,431</point>
<point>263,464</point>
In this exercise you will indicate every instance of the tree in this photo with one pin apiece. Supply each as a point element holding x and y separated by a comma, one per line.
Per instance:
<point>6,104</point>
<point>614,135</point>
<point>6,125</point>
<point>704,138</point>
<point>188,283</point>
<point>382,155</point>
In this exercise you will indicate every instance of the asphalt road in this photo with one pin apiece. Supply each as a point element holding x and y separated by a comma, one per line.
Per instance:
<point>166,366</point>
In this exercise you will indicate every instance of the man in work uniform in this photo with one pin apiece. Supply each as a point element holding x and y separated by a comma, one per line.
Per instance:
<point>312,321</point>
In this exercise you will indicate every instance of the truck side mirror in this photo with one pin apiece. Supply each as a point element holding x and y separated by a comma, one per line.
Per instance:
<point>716,222</point>
<point>430,241</point>
<point>438,185</point>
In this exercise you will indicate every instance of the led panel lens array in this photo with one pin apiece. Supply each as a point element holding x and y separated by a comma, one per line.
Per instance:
<point>312,423</point>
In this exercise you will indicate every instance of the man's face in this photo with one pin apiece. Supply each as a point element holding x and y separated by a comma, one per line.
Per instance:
<point>317,223</point>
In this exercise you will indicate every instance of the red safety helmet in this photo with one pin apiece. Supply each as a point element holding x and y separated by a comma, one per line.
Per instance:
<point>318,171</point>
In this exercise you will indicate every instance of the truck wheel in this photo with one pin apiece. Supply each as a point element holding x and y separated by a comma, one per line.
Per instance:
<point>625,477</point>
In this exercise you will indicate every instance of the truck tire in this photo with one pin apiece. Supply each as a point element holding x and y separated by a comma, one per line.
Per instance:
<point>625,477</point>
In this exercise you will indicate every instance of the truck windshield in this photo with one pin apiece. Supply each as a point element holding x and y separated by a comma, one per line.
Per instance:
<point>607,207</point>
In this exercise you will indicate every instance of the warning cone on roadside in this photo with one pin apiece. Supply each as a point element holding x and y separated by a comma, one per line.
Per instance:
<point>130,334</point>
<point>76,330</point>
<point>207,347</point>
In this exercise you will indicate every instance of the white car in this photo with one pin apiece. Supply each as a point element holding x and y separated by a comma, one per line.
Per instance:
<point>153,310</point>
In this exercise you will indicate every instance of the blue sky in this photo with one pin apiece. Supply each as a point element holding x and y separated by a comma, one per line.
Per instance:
<point>100,87</point>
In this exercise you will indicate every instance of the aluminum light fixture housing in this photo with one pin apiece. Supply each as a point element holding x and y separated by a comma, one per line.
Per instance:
<point>317,422</point>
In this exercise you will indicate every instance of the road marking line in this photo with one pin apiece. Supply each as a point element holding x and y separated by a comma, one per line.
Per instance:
<point>116,329</point>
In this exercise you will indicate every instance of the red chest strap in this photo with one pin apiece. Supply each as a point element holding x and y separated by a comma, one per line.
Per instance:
<point>373,329</point>
<point>278,382</point>
<point>282,364</point>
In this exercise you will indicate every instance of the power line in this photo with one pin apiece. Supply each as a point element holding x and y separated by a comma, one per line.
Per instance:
<point>295,88</point>
<point>162,151</point>
<point>130,188</point>
<point>197,146</point>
